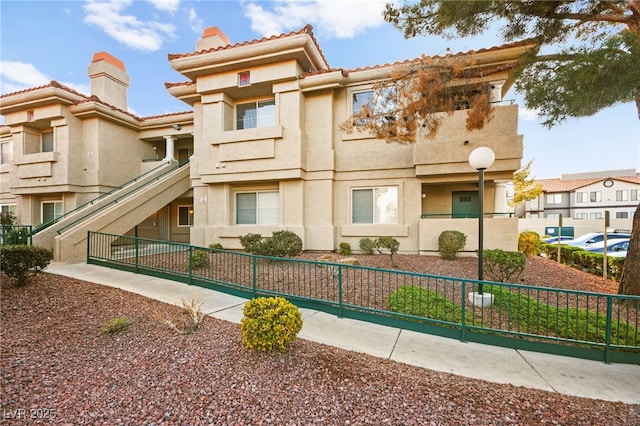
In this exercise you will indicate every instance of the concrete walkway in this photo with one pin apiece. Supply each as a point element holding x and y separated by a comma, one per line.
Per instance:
<point>570,376</point>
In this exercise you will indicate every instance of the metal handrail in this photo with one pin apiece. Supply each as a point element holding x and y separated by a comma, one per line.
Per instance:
<point>46,225</point>
<point>116,200</point>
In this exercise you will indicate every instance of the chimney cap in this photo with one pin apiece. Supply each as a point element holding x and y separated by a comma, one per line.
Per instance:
<point>104,56</point>
<point>215,31</point>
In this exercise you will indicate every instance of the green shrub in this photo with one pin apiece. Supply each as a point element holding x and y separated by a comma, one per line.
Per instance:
<point>529,243</point>
<point>282,244</point>
<point>367,245</point>
<point>450,243</point>
<point>23,262</point>
<point>216,246</point>
<point>345,249</point>
<point>503,266</point>
<point>251,243</point>
<point>200,258</point>
<point>116,325</point>
<point>16,235</point>
<point>8,218</point>
<point>387,245</point>
<point>270,323</point>
<point>422,302</point>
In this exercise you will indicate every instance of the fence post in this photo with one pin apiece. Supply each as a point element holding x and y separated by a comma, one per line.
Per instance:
<point>463,304</point>
<point>607,337</point>
<point>255,278</point>
<point>88,245</point>
<point>190,264</point>
<point>137,248</point>
<point>340,308</point>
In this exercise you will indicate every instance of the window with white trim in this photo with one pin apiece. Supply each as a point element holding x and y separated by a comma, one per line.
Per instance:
<point>50,211</point>
<point>622,195</point>
<point>257,114</point>
<point>582,197</point>
<point>6,152</point>
<point>552,215</point>
<point>379,101</point>
<point>554,198</point>
<point>581,216</point>
<point>596,215</point>
<point>8,208</point>
<point>374,205</point>
<point>622,215</point>
<point>595,196</point>
<point>185,216</point>
<point>257,208</point>
<point>633,194</point>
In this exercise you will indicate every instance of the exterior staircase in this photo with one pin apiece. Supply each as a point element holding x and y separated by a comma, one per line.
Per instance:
<point>116,213</point>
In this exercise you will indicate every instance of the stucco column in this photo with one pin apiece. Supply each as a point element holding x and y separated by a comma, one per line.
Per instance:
<point>169,147</point>
<point>500,197</point>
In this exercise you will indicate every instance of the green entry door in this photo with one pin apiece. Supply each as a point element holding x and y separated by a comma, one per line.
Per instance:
<point>464,204</point>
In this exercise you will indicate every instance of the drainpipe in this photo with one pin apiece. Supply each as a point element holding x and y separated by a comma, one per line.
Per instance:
<point>169,146</point>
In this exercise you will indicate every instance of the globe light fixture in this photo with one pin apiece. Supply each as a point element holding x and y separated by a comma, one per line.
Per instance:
<point>481,159</point>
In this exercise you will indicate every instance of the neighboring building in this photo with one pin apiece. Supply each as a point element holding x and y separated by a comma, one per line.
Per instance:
<point>583,198</point>
<point>265,153</point>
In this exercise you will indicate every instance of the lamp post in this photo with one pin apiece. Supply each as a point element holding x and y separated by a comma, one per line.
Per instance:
<point>481,159</point>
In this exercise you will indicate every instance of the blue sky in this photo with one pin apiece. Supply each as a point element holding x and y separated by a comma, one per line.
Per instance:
<point>55,40</point>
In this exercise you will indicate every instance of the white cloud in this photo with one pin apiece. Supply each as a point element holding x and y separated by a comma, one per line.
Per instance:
<point>170,6</point>
<point>527,114</point>
<point>196,23</point>
<point>127,29</point>
<point>16,76</point>
<point>330,18</point>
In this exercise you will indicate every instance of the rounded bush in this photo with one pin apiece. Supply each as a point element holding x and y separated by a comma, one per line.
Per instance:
<point>450,243</point>
<point>345,249</point>
<point>270,323</point>
<point>200,258</point>
<point>23,262</point>
<point>282,244</point>
<point>529,243</point>
<point>367,245</point>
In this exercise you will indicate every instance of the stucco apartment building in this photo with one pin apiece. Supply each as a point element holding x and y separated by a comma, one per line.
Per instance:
<point>259,150</point>
<point>582,199</point>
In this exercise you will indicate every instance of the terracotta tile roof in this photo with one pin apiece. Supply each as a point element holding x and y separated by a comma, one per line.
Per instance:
<point>307,29</point>
<point>567,185</point>
<point>169,114</point>
<point>52,83</point>
<point>183,83</point>
<point>346,72</point>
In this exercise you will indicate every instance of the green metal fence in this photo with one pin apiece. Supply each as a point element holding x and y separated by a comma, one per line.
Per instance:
<point>16,234</point>
<point>579,324</point>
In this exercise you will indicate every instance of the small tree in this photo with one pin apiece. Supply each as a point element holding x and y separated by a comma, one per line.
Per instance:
<point>388,245</point>
<point>524,188</point>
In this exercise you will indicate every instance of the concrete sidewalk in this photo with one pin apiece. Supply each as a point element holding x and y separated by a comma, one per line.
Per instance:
<point>570,376</point>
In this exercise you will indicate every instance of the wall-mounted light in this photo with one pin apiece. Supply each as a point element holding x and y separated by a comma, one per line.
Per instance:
<point>466,142</point>
<point>176,126</point>
<point>424,195</point>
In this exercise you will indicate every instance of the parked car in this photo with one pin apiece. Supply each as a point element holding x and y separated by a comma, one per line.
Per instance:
<point>553,240</point>
<point>616,247</point>
<point>595,237</point>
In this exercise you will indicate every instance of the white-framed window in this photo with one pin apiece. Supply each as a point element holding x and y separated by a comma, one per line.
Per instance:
<point>554,198</point>
<point>384,99</point>
<point>47,141</point>
<point>581,216</point>
<point>50,211</point>
<point>6,152</point>
<point>185,215</point>
<point>8,208</point>
<point>633,194</point>
<point>256,114</point>
<point>595,196</point>
<point>622,195</point>
<point>374,205</point>
<point>622,215</point>
<point>582,197</point>
<point>257,208</point>
<point>595,215</point>
<point>552,215</point>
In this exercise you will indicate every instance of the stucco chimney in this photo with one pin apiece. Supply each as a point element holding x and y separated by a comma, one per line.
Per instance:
<point>212,38</point>
<point>109,80</point>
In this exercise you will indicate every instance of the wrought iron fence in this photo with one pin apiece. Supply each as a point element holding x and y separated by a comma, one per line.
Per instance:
<point>580,324</point>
